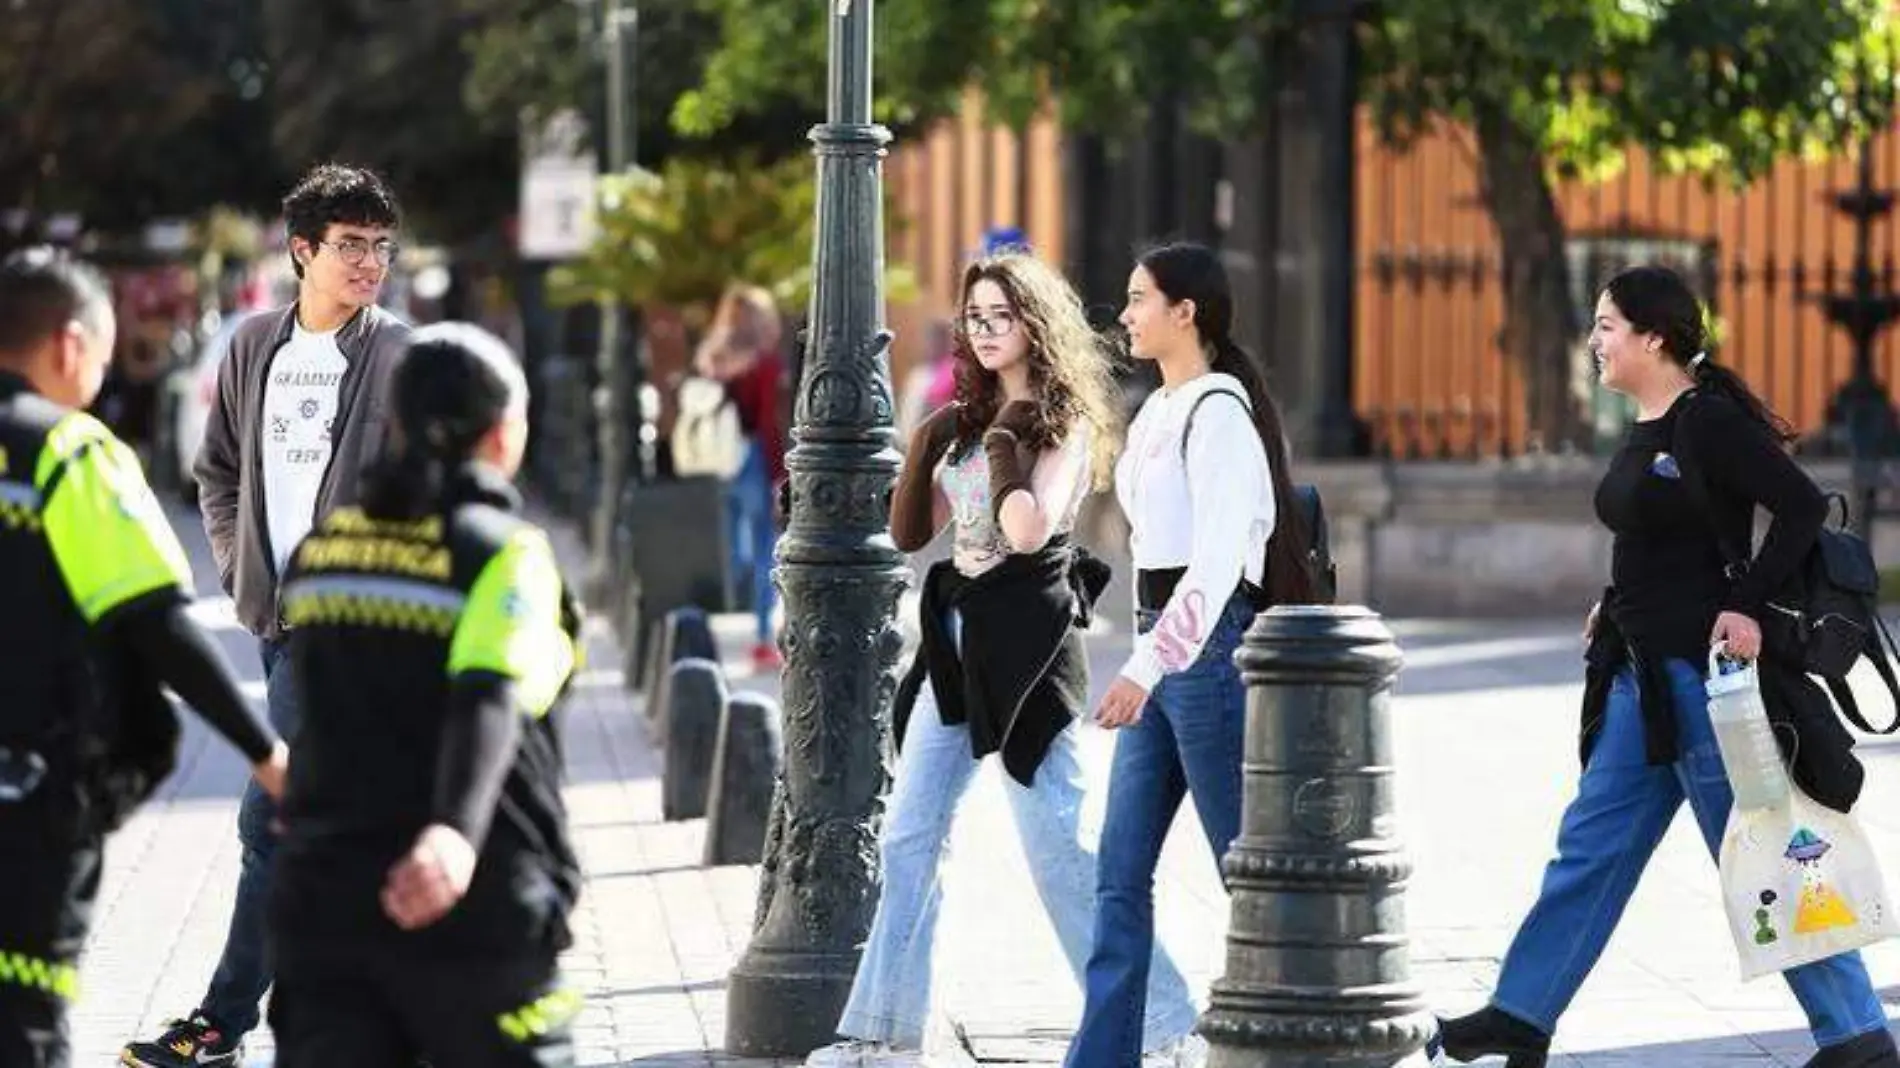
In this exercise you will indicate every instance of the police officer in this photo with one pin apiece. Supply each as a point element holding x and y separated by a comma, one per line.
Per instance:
<point>93,620</point>
<point>425,876</point>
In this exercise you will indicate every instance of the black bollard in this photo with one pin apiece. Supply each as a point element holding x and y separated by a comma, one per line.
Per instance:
<point>1318,969</point>
<point>653,677</point>
<point>639,648</point>
<point>683,635</point>
<point>696,700</point>
<point>745,769</point>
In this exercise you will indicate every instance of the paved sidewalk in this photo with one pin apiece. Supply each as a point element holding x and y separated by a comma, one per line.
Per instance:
<point>657,933</point>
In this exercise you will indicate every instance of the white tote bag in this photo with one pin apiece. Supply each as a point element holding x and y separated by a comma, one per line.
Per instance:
<point>1800,881</point>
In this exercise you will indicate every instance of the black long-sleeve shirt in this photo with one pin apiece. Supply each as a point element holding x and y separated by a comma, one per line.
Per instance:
<point>179,653</point>
<point>1669,570</point>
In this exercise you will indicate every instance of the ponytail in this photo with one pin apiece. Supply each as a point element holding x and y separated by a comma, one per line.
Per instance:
<point>413,478</point>
<point>404,485</point>
<point>1288,575</point>
<point>455,383</point>
<point>1720,381</point>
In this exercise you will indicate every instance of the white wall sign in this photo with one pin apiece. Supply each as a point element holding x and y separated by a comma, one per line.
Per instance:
<point>558,179</point>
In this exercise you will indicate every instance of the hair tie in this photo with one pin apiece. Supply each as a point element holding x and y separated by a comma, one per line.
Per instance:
<point>1700,358</point>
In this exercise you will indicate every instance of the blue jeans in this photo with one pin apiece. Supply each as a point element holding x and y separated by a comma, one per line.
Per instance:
<point>751,534</point>
<point>244,971</point>
<point>1188,741</point>
<point>1623,806</point>
<point>890,998</point>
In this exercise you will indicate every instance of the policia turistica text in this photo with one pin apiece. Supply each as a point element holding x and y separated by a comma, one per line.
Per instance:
<point>425,876</point>
<point>93,622</point>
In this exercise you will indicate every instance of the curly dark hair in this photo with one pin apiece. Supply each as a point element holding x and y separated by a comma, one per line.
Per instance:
<point>1069,366</point>
<point>336,193</point>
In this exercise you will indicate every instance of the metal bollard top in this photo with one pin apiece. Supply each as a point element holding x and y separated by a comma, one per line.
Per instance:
<point>1323,645</point>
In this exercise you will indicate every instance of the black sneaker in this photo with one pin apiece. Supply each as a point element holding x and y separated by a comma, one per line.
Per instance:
<point>1874,1049</point>
<point>193,1043</point>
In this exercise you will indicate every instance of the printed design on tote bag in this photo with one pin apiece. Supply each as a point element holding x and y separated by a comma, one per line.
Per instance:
<point>1764,926</point>
<point>1820,909</point>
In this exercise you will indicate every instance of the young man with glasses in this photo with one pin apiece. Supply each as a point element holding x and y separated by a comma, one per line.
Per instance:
<point>302,399</point>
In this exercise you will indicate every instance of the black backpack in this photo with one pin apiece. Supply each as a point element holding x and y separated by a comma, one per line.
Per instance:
<point>1319,555</point>
<point>1827,617</point>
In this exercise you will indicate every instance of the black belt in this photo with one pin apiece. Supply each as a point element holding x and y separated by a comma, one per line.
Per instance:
<point>1154,587</point>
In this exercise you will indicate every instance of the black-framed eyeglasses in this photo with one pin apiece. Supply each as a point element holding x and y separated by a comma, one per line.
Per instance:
<point>352,250</point>
<point>996,324</point>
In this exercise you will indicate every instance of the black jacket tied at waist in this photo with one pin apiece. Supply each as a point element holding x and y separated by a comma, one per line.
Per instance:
<point>1817,749</point>
<point>1022,674</point>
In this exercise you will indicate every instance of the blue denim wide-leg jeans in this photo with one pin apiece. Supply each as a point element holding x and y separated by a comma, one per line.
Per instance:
<point>890,997</point>
<point>1188,742</point>
<point>1623,806</point>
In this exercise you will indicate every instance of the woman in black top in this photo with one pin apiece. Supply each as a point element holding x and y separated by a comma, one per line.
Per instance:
<point>424,879</point>
<point>1648,743</point>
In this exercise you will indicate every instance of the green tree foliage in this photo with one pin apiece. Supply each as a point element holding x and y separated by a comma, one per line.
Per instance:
<point>435,95</point>
<point>678,237</point>
<point>126,110</point>
<point>530,57</point>
<point>380,85</point>
<point>1548,88</point>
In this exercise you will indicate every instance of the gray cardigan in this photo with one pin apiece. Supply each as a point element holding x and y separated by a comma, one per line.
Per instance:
<point>230,466</point>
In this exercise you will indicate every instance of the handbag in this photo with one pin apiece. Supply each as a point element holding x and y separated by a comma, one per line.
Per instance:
<point>1800,881</point>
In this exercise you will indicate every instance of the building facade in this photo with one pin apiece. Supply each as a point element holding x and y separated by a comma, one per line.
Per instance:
<point>1428,377</point>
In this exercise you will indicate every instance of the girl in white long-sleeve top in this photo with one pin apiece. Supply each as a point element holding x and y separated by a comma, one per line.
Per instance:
<point>1215,538</point>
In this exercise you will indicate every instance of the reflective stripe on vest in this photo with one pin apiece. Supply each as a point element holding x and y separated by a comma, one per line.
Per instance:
<point>541,1016</point>
<point>52,977</point>
<point>19,505</point>
<point>388,603</point>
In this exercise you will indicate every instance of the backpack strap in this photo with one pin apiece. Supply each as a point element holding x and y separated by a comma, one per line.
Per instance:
<point>1187,428</point>
<point>1736,557</point>
<point>1880,646</point>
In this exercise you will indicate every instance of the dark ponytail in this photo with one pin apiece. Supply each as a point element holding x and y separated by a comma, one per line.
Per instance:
<point>454,384</point>
<point>1713,378</point>
<point>1657,301</point>
<point>1188,271</point>
<point>412,479</point>
<point>1288,577</point>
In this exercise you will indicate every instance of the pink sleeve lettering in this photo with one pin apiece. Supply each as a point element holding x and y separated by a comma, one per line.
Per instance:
<point>1178,634</point>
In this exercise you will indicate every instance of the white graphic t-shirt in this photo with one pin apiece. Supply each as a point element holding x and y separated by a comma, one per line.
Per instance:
<point>300,410</point>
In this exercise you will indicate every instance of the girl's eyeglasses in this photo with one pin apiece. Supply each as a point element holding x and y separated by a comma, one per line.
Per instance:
<point>999,324</point>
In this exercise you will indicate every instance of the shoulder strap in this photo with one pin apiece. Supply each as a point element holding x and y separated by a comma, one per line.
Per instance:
<point>1737,557</point>
<point>1187,427</point>
<point>1880,646</point>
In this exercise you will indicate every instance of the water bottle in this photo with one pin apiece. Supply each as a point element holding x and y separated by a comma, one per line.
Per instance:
<point>1747,742</point>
